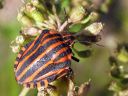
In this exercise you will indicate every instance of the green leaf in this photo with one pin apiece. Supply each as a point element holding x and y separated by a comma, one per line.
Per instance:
<point>76,28</point>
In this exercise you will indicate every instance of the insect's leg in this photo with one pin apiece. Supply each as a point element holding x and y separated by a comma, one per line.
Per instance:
<point>73,55</point>
<point>70,74</point>
<point>75,59</point>
<point>47,85</point>
<point>51,87</point>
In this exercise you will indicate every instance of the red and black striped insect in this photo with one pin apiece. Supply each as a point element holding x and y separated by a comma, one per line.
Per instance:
<point>45,59</point>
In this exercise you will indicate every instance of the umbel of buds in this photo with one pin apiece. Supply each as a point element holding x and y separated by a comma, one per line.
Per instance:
<point>37,15</point>
<point>119,71</point>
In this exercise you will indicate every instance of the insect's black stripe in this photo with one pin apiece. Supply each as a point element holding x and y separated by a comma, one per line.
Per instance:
<point>34,84</point>
<point>30,54</point>
<point>17,58</point>
<point>42,62</point>
<point>41,35</point>
<point>28,44</point>
<point>41,82</point>
<point>21,52</point>
<point>52,78</point>
<point>37,44</point>
<point>53,67</point>
<point>65,53</point>
<point>52,75</point>
<point>40,50</point>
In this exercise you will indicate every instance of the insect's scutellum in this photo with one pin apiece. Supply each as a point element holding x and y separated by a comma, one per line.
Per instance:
<point>45,59</point>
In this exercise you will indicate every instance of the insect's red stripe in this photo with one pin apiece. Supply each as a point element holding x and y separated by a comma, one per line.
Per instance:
<point>39,57</point>
<point>23,49</point>
<point>29,56</point>
<point>52,73</point>
<point>31,45</point>
<point>18,57</point>
<point>38,38</point>
<point>59,52</point>
<point>62,74</point>
<point>44,66</point>
<point>64,58</point>
<point>30,78</point>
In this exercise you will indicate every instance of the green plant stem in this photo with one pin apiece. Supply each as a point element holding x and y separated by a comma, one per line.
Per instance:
<point>24,91</point>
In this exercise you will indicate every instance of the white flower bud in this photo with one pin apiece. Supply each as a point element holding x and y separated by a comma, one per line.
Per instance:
<point>93,16</point>
<point>95,28</point>
<point>77,14</point>
<point>15,47</point>
<point>19,39</point>
<point>32,31</point>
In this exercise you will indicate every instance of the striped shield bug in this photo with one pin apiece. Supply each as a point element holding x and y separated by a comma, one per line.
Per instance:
<point>45,59</point>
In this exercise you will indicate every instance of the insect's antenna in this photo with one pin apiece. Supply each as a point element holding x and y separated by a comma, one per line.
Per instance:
<point>90,43</point>
<point>99,45</point>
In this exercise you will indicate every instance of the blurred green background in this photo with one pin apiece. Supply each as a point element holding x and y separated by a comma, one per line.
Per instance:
<point>95,67</point>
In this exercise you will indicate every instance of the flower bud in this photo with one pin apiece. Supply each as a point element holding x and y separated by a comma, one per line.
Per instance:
<point>19,39</point>
<point>38,4</point>
<point>35,14</point>
<point>25,20</point>
<point>114,87</point>
<point>93,16</point>
<point>123,56</point>
<point>15,47</point>
<point>123,93</point>
<point>32,31</point>
<point>79,2</point>
<point>77,14</point>
<point>95,28</point>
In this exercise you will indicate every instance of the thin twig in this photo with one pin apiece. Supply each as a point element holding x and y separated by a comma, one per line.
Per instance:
<point>71,91</point>
<point>64,25</point>
<point>24,91</point>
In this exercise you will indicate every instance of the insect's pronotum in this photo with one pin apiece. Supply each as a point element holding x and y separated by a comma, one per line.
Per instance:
<point>45,59</point>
